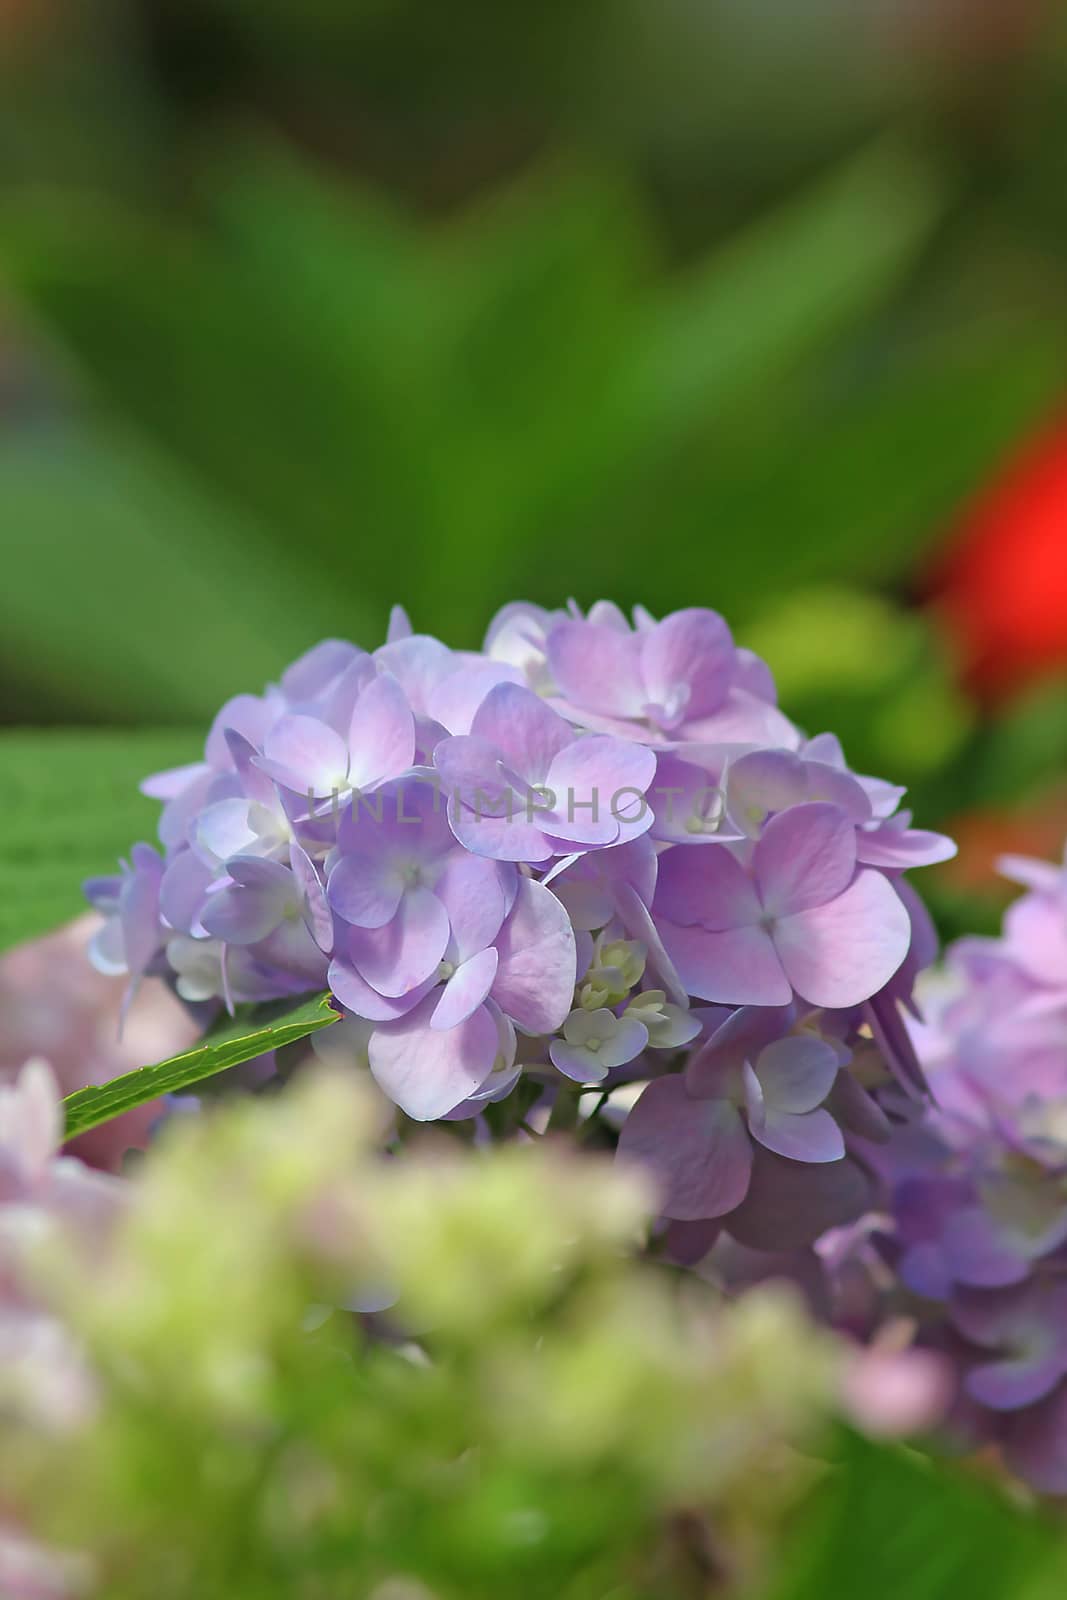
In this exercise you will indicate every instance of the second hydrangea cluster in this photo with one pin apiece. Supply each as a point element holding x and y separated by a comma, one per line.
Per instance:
<point>976,1183</point>
<point>595,853</point>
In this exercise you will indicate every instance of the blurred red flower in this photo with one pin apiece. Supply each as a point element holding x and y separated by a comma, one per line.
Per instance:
<point>1000,589</point>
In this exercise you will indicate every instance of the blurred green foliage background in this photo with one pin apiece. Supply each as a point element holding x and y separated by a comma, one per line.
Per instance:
<point>308,309</point>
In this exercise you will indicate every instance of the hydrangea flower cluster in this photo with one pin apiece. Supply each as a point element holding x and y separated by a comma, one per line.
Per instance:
<point>571,857</point>
<point>535,1412</point>
<point>45,1383</point>
<point>976,1186</point>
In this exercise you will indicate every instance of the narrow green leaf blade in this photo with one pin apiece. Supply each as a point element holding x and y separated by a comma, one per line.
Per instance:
<point>251,1033</point>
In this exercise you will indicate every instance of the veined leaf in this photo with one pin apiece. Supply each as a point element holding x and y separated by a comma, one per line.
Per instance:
<point>69,808</point>
<point>252,1032</point>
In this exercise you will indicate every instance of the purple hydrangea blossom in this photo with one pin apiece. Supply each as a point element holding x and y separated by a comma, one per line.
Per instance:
<point>595,853</point>
<point>973,1185</point>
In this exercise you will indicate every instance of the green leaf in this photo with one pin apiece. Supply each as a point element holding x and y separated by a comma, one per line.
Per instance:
<point>69,808</point>
<point>893,1523</point>
<point>255,1030</point>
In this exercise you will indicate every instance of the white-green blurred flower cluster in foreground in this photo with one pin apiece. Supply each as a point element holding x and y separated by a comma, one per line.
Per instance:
<point>311,1371</point>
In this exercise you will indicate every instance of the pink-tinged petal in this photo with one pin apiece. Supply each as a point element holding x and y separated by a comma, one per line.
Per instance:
<point>1030,1316</point>
<point>106,951</point>
<point>826,747</point>
<point>471,889</point>
<point>853,1108</point>
<point>829,783</point>
<point>365,889</point>
<point>586,721</point>
<point>597,666</point>
<point>805,857</point>
<point>406,816</point>
<point>755,1108</point>
<point>399,625</point>
<point>638,923</point>
<point>764,782</point>
<point>465,990</point>
<point>687,802</point>
<point>254,783</point>
<point>139,908</point>
<point>305,755</point>
<point>839,954</point>
<point>1026,870</point>
<point>317,913</point>
<point>397,958</point>
<point>224,830</point>
<point>471,769</point>
<point>527,732</point>
<point>336,704</point>
<point>357,996</point>
<point>316,669</point>
<point>263,893</point>
<point>576,1062</point>
<point>708,889</point>
<point>428,735</point>
<point>790,1203</point>
<point>183,890</point>
<point>535,980</point>
<point>752,674</point>
<point>243,916</point>
<point>605,613</point>
<point>687,1243</point>
<point>496,1087</point>
<point>625,1044</point>
<point>744,719</point>
<point>894,1040</point>
<point>179,816</point>
<point>257,872</point>
<point>1012,1384</point>
<point>1036,930</point>
<point>697,1150</point>
<point>900,849</point>
<point>455,702</point>
<point>735,967</point>
<point>797,1074</point>
<point>589,885</point>
<point>381,734</point>
<point>977,1253</point>
<point>419,664</point>
<point>168,785</point>
<point>1035,1444</point>
<point>739,1037</point>
<point>801,1136</point>
<point>923,1269</point>
<point>517,635</point>
<point>690,651</point>
<point>31,1116</point>
<point>567,827</point>
<point>497,839</point>
<point>892,1394</point>
<point>429,1071</point>
<point>599,784</point>
<point>247,714</point>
